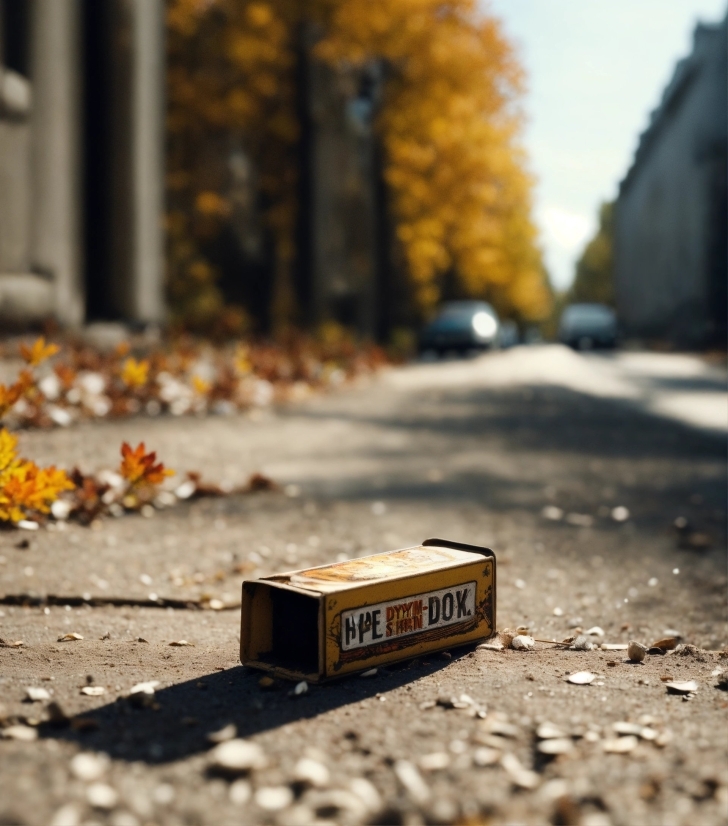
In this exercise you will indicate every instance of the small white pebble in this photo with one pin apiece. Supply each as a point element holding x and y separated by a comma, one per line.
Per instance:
<point>273,798</point>
<point>240,792</point>
<point>164,794</point>
<point>88,766</point>
<point>311,772</point>
<point>101,796</point>
<point>67,815</point>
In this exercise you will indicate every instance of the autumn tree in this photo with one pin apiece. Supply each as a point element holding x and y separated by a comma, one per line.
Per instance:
<point>449,124</point>
<point>594,280</point>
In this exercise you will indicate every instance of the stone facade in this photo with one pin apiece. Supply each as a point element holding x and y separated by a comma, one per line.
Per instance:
<point>81,160</point>
<point>671,217</point>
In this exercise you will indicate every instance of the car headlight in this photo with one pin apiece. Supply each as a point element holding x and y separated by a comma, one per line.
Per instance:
<point>484,325</point>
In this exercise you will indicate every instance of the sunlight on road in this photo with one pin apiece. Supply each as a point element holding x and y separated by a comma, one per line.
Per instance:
<point>676,386</point>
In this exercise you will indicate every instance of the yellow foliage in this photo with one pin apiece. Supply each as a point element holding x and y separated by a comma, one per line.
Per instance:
<point>11,394</point>
<point>135,373</point>
<point>38,352</point>
<point>211,204</point>
<point>450,126</point>
<point>242,360</point>
<point>139,469</point>
<point>200,386</point>
<point>26,489</point>
<point>449,123</point>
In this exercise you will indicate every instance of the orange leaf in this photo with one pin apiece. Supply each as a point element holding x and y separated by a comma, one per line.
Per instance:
<point>39,352</point>
<point>138,467</point>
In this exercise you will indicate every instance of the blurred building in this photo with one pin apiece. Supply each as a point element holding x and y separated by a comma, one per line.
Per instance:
<point>341,219</point>
<point>81,159</point>
<point>671,266</point>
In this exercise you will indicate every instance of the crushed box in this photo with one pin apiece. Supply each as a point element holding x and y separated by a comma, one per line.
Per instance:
<point>333,620</point>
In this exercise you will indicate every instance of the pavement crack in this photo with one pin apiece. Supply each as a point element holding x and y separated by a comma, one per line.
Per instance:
<point>100,602</point>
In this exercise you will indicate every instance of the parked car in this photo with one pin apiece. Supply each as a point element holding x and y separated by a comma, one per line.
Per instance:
<point>587,326</point>
<point>508,334</point>
<point>461,326</point>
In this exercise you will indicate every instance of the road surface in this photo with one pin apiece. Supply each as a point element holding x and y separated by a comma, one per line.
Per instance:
<point>571,467</point>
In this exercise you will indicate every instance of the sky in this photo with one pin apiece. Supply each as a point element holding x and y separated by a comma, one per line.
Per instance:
<point>596,69</point>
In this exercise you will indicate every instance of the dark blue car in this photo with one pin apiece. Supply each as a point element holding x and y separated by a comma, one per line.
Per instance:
<point>461,326</point>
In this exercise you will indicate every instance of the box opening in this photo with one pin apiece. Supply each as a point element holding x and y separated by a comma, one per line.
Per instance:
<point>294,632</point>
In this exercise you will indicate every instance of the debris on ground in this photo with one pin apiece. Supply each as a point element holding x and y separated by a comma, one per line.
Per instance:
<point>581,678</point>
<point>636,651</point>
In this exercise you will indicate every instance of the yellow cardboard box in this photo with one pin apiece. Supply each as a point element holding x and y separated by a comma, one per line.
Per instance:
<point>336,619</point>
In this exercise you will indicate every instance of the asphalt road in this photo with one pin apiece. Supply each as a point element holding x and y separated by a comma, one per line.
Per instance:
<point>530,452</point>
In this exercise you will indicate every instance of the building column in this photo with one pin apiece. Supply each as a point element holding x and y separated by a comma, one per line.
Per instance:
<point>55,152</point>
<point>147,160</point>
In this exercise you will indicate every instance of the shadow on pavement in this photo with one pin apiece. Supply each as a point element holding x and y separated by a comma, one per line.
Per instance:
<point>184,714</point>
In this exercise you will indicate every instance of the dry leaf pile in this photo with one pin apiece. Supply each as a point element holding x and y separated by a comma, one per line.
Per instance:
<point>184,377</point>
<point>186,380</point>
<point>136,486</point>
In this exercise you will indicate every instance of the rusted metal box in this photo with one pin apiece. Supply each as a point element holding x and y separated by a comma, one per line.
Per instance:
<point>325,622</point>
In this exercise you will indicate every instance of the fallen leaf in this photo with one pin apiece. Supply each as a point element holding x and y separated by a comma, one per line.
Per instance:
<point>8,644</point>
<point>36,695</point>
<point>548,731</point>
<point>581,678</point>
<point>664,738</point>
<point>491,646</point>
<point>620,745</point>
<point>436,761</point>
<point>666,644</point>
<point>519,776</point>
<point>24,733</point>
<point>144,688</point>
<point>310,772</point>
<point>237,757</point>
<point>410,777</point>
<point>70,637</point>
<point>557,745</point>
<point>88,766</point>
<point>102,796</point>
<point>259,481</point>
<point>582,643</point>
<point>681,687</point>
<point>486,756</point>
<point>622,727</point>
